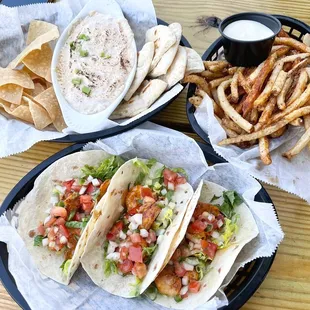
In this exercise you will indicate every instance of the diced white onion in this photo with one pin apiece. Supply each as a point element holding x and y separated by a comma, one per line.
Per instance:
<point>197,246</point>
<point>125,244</point>
<point>192,238</point>
<point>170,186</point>
<point>188,267</point>
<point>95,182</point>
<point>63,240</point>
<point>133,226</point>
<point>82,190</point>
<point>129,232</point>
<point>211,217</point>
<point>220,223</point>
<point>122,235</point>
<point>164,192</point>
<point>137,218</point>
<point>191,245</point>
<point>185,281</point>
<point>54,199</point>
<point>61,189</point>
<point>192,261</point>
<point>52,244</point>
<point>114,256</point>
<point>90,178</point>
<point>112,246</point>
<point>215,234</point>
<point>160,239</point>
<point>160,232</point>
<point>56,229</point>
<point>47,219</point>
<point>171,205</point>
<point>183,290</point>
<point>45,242</point>
<point>205,214</point>
<point>165,202</point>
<point>144,233</point>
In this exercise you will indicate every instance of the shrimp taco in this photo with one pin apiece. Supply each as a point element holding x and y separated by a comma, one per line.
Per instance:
<point>144,208</point>
<point>215,228</point>
<point>57,216</point>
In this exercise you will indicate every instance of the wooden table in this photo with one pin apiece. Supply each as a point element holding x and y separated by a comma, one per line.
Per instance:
<point>287,285</point>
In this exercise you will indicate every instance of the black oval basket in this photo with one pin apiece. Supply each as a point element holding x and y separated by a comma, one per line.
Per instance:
<point>241,288</point>
<point>294,27</point>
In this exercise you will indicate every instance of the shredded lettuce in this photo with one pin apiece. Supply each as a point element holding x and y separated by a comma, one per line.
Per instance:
<point>76,224</point>
<point>140,178</point>
<point>169,195</point>
<point>180,171</point>
<point>178,298</point>
<point>151,162</point>
<point>148,252</point>
<point>65,266</point>
<point>231,201</point>
<point>201,256</point>
<point>109,267</point>
<point>201,269</point>
<point>105,170</point>
<point>38,240</point>
<point>229,231</point>
<point>142,165</point>
<point>151,292</point>
<point>135,288</point>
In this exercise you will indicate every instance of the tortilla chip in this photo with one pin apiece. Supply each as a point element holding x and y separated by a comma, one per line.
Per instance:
<point>49,102</point>
<point>17,77</point>
<point>39,62</point>
<point>40,117</point>
<point>11,93</point>
<point>38,28</point>
<point>38,89</point>
<point>19,111</point>
<point>36,44</point>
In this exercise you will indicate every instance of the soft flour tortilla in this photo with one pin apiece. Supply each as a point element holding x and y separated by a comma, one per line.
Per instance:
<point>144,61</point>
<point>167,59</point>
<point>194,62</point>
<point>33,208</point>
<point>224,258</point>
<point>145,96</point>
<point>93,257</point>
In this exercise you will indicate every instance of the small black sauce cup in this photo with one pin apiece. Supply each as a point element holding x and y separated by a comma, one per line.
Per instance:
<point>249,53</point>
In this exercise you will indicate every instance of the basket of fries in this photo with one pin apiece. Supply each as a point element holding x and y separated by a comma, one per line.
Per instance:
<point>255,105</point>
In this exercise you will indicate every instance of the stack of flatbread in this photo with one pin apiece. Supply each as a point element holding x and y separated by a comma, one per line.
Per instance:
<point>162,63</point>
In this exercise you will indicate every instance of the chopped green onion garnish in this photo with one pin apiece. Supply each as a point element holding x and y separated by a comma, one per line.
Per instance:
<point>72,46</point>
<point>76,81</point>
<point>86,90</point>
<point>77,71</point>
<point>103,55</point>
<point>83,53</point>
<point>84,37</point>
<point>178,298</point>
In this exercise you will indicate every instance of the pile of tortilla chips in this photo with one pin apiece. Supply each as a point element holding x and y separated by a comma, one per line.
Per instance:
<point>27,93</point>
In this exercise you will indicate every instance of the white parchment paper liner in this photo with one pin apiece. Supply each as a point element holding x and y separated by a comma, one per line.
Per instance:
<point>14,24</point>
<point>290,176</point>
<point>173,149</point>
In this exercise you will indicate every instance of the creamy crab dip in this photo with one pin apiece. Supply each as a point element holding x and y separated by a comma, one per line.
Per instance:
<point>95,62</point>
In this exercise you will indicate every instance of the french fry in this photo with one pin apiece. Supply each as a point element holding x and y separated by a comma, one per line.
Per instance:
<point>264,150</point>
<point>217,82</point>
<point>253,116</point>
<point>234,87</point>
<point>268,130</point>
<point>307,125</point>
<point>280,132</point>
<point>199,81</point>
<point>253,76</point>
<point>298,66</point>
<point>258,84</point>
<point>282,33</point>
<point>215,63</point>
<point>308,71</point>
<point>219,66</point>
<point>214,95</point>
<point>292,43</point>
<point>291,58</point>
<point>299,146</point>
<point>282,51</point>
<point>265,94</point>
<point>232,70</point>
<point>231,125</point>
<point>229,110</point>
<point>208,75</point>
<point>281,97</point>
<point>243,82</point>
<point>298,122</point>
<point>195,101</point>
<point>300,87</point>
<point>279,83</point>
<point>230,133</point>
<point>277,47</point>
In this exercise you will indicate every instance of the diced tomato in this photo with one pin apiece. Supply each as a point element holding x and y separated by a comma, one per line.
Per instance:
<point>78,217</point>
<point>169,176</point>
<point>180,180</point>
<point>60,221</point>
<point>146,192</point>
<point>135,253</point>
<point>208,248</point>
<point>68,185</point>
<point>50,222</point>
<point>151,237</point>
<point>41,230</point>
<point>113,233</point>
<point>76,187</point>
<point>85,199</point>
<point>179,270</point>
<point>194,286</point>
<point>63,231</point>
<point>139,270</point>
<point>90,188</point>
<point>59,211</point>
<point>134,210</point>
<point>126,266</point>
<point>111,237</point>
<point>136,238</point>
<point>197,227</point>
<point>87,203</point>
<point>123,252</point>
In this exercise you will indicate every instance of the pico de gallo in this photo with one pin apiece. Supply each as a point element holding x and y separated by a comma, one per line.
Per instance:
<point>212,227</point>
<point>149,210</point>
<point>71,206</point>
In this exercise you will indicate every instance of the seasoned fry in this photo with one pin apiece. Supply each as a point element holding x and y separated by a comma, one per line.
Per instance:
<point>232,70</point>
<point>298,122</point>
<point>195,101</point>
<point>229,110</point>
<point>231,125</point>
<point>281,98</point>
<point>268,130</point>
<point>199,81</point>
<point>217,82</point>
<point>214,95</point>
<point>277,47</point>
<point>282,33</point>
<point>263,97</point>
<point>279,83</point>
<point>230,133</point>
<point>208,75</point>
<point>292,43</point>
<point>213,63</point>
<point>299,146</point>
<point>278,133</point>
<point>254,116</point>
<point>258,84</point>
<point>300,87</point>
<point>307,125</point>
<point>297,67</point>
<point>219,66</point>
<point>234,87</point>
<point>263,144</point>
<point>291,58</point>
<point>308,71</point>
<point>243,82</point>
<point>253,76</point>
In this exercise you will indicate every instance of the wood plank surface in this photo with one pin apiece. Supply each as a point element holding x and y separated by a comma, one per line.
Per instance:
<point>287,285</point>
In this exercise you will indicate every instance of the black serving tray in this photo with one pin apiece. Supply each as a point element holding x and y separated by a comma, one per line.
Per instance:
<point>294,27</point>
<point>241,288</point>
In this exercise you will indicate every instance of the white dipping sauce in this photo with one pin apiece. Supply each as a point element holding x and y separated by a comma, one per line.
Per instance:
<point>247,30</point>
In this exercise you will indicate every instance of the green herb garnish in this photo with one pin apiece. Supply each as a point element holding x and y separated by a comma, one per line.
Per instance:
<point>140,178</point>
<point>72,46</point>
<point>60,204</point>
<point>148,252</point>
<point>86,90</point>
<point>71,215</point>
<point>76,81</point>
<point>38,240</point>
<point>151,292</point>
<point>151,162</point>
<point>76,224</point>
<point>104,56</point>
<point>84,37</point>
<point>231,201</point>
<point>83,53</point>
<point>169,195</point>
<point>178,298</point>
<point>181,171</point>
